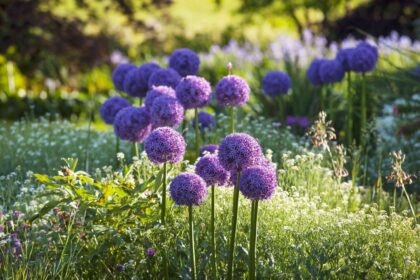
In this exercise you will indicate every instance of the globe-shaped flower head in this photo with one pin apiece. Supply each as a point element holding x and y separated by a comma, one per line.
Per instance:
<point>193,92</point>
<point>185,62</point>
<point>205,121</point>
<point>132,124</point>
<point>209,148</point>
<point>238,151</point>
<point>210,169</point>
<point>262,161</point>
<point>232,91</point>
<point>372,49</point>
<point>258,183</point>
<point>119,74</point>
<point>363,58</point>
<point>343,57</point>
<point>188,189</point>
<point>331,71</point>
<point>164,144</point>
<point>156,92</point>
<point>111,107</point>
<point>276,83</point>
<point>164,77</point>
<point>313,72</point>
<point>166,111</point>
<point>136,82</point>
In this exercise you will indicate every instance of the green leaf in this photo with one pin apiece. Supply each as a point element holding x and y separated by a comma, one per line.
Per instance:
<point>47,207</point>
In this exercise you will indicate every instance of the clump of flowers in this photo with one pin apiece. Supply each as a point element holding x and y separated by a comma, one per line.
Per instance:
<point>322,131</point>
<point>276,83</point>
<point>132,124</point>
<point>111,107</point>
<point>119,74</point>
<point>185,62</point>
<point>303,122</point>
<point>136,82</point>
<point>164,77</point>
<point>155,92</point>
<point>166,111</point>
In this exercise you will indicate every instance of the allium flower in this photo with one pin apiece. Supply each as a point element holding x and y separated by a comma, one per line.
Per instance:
<point>313,72</point>
<point>291,120</point>
<point>258,183</point>
<point>185,62</point>
<point>136,81</point>
<point>304,122</point>
<point>188,189</point>
<point>238,151</point>
<point>209,148</point>
<point>111,107</point>
<point>165,145</point>
<point>343,57</point>
<point>276,83</point>
<point>164,77</point>
<point>151,252</point>
<point>156,92</point>
<point>232,91</point>
<point>205,121</point>
<point>262,161</point>
<point>132,124</point>
<point>119,74</point>
<point>193,92</point>
<point>210,169</point>
<point>120,268</point>
<point>372,49</point>
<point>166,111</point>
<point>363,58</point>
<point>331,71</point>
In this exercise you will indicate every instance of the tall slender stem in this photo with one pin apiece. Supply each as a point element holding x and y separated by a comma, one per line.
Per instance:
<point>135,150</point>
<point>350,110</point>
<point>192,249</point>
<point>213,241</point>
<point>322,98</point>
<point>163,205</point>
<point>253,240</point>
<point>117,148</point>
<point>233,229</point>
<point>395,198</point>
<point>232,119</point>
<point>363,105</point>
<point>197,133</point>
<point>409,202</point>
<point>330,102</point>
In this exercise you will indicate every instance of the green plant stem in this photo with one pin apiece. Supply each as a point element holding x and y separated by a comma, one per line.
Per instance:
<point>192,249</point>
<point>281,109</point>
<point>184,123</point>
<point>363,105</point>
<point>330,102</point>
<point>322,97</point>
<point>117,148</point>
<point>197,133</point>
<point>163,210</point>
<point>232,119</point>
<point>253,240</point>
<point>395,198</point>
<point>233,227</point>
<point>213,241</point>
<point>135,150</point>
<point>409,202</point>
<point>350,110</point>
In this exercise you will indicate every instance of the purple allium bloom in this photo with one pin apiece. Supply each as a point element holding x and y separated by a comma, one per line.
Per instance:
<point>303,122</point>
<point>136,82</point>
<point>119,74</point>
<point>331,71</point>
<point>343,56</point>
<point>120,267</point>
<point>209,148</point>
<point>263,162</point>
<point>166,111</point>
<point>193,92</point>
<point>165,145</point>
<point>238,151</point>
<point>188,189</point>
<point>232,91</point>
<point>291,120</point>
<point>111,107</point>
<point>372,49</point>
<point>362,59</point>
<point>156,92</point>
<point>164,77</point>
<point>258,183</point>
<point>276,83</point>
<point>151,252</point>
<point>210,169</point>
<point>205,120</point>
<point>185,62</point>
<point>132,124</point>
<point>313,72</point>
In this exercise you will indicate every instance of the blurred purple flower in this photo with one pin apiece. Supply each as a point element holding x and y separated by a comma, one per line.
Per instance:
<point>151,252</point>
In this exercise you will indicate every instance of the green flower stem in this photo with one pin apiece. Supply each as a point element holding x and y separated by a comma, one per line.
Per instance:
<point>197,133</point>
<point>192,249</point>
<point>350,110</point>
<point>395,198</point>
<point>163,205</point>
<point>117,148</point>
<point>184,123</point>
<point>322,98</point>
<point>253,240</point>
<point>232,119</point>
<point>281,110</point>
<point>233,229</point>
<point>330,101</point>
<point>213,241</point>
<point>363,105</point>
<point>409,202</point>
<point>135,150</point>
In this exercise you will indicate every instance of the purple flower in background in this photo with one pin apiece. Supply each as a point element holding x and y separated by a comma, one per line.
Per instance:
<point>165,144</point>
<point>185,62</point>
<point>258,183</point>
<point>111,107</point>
<point>205,121</point>
<point>210,148</point>
<point>132,124</point>
<point>303,122</point>
<point>151,252</point>
<point>291,120</point>
<point>164,77</point>
<point>210,169</point>
<point>16,214</point>
<point>136,82</point>
<point>276,83</point>
<point>156,92</point>
<point>193,92</point>
<point>120,268</point>
<point>313,72</point>
<point>372,49</point>
<point>232,91</point>
<point>331,71</point>
<point>363,59</point>
<point>343,56</point>
<point>166,111</point>
<point>17,246</point>
<point>238,151</point>
<point>119,74</point>
<point>188,189</point>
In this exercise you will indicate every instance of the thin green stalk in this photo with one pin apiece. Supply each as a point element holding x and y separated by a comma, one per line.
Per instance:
<point>395,198</point>
<point>192,249</point>
<point>232,119</point>
<point>117,149</point>
<point>350,110</point>
<point>233,229</point>
<point>363,105</point>
<point>253,240</point>
<point>197,133</point>
<point>135,150</point>
<point>322,98</point>
<point>409,202</point>
<point>330,102</point>
<point>184,123</point>
<point>163,209</point>
<point>213,241</point>
<point>88,141</point>
<point>281,110</point>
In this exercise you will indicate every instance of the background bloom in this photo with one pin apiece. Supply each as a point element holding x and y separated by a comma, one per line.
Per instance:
<point>276,83</point>
<point>188,189</point>
<point>132,124</point>
<point>166,111</point>
<point>136,80</point>
<point>232,91</point>
<point>210,148</point>
<point>313,72</point>
<point>185,62</point>
<point>156,92</point>
<point>362,58</point>
<point>165,144</point>
<point>331,71</point>
<point>205,120</point>
<point>164,77</point>
<point>343,57</point>
<point>258,183</point>
<point>193,92</point>
<point>119,73</point>
<point>111,107</point>
<point>210,169</point>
